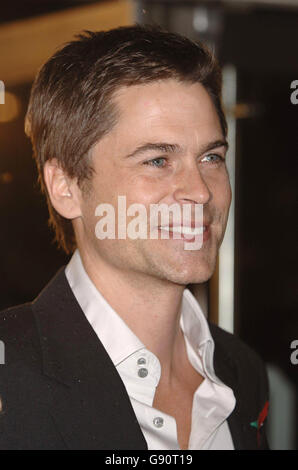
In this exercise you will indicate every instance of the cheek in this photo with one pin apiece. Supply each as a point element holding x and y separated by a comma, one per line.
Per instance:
<point>226,195</point>
<point>147,189</point>
<point>228,192</point>
<point>221,192</point>
<point>88,210</point>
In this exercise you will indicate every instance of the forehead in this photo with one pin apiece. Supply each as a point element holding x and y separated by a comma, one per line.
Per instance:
<point>164,110</point>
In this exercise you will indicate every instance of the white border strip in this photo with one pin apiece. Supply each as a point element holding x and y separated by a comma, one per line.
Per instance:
<point>226,252</point>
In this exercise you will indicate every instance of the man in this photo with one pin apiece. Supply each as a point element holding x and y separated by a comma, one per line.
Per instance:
<point>115,353</point>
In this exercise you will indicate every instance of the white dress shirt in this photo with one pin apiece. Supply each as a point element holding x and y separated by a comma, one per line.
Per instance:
<point>140,369</point>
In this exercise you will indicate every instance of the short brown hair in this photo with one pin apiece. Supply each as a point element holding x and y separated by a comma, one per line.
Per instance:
<point>71,106</point>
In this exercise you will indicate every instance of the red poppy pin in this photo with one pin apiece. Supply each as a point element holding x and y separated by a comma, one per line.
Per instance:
<point>260,421</point>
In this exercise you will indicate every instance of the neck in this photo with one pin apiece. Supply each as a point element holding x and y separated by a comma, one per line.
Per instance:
<point>149,306</point>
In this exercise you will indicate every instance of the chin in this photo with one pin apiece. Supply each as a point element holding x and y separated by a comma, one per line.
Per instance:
<point>198,275</point>
<point>180,268</point>
<point>194,279</point>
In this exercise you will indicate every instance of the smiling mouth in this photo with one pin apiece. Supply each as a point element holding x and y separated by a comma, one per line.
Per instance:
<point>186,232</point>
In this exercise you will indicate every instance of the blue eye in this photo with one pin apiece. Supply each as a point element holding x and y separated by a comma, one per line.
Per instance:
<point>214,158</point>
<point>156,162</point>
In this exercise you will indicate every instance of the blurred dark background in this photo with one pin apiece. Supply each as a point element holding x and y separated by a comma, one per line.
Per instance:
<point>259,40</point>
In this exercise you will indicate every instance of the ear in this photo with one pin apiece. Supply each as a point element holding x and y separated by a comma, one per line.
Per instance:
<point>63,191</point>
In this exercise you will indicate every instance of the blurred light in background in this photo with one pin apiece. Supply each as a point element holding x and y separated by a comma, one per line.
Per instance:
<point>6,177</point>
<point>11,109</point>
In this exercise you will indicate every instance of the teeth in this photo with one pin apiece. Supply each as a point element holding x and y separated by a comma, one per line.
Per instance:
<point>185,230</point>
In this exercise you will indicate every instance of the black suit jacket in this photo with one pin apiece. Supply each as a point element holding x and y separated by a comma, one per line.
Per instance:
<point>60,389</point>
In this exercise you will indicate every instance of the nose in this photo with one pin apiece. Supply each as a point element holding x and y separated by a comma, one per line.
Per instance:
<point>191,187</point>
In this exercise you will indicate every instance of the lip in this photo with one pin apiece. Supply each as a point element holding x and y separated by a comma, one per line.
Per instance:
<point>187,224</point>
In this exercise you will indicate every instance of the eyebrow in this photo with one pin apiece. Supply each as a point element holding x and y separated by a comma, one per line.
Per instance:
<point>174,148</point>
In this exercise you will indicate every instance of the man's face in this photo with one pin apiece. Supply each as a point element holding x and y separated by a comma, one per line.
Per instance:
<point>191,171</point>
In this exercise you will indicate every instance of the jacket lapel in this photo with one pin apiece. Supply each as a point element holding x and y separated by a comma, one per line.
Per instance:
<point>226,369</point>
<point>89,402</point>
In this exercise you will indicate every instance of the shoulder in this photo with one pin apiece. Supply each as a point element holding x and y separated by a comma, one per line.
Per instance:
<point>232,345</point>
<point>18,335</point>
<point>19,331</point>
<point>15,317</point>
<point>25,393</point>
<point>22,361</point>
<point>243,361</point>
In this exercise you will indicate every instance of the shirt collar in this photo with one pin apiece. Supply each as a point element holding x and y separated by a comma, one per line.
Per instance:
<point>199,341</point>
<point>118,339</point>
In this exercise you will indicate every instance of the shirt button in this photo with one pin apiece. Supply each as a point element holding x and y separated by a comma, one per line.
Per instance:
<point>141,361</point>
<point>158,422</point>
<point>142,372</point>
